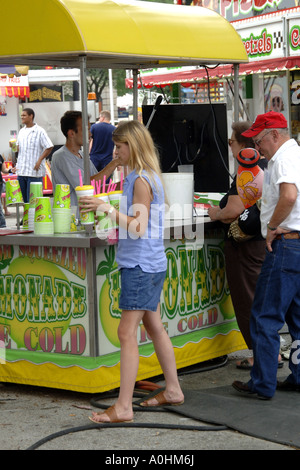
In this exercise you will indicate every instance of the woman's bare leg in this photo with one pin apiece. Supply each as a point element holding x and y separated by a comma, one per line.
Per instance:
<point>165,354</point>
<point>129,364</point>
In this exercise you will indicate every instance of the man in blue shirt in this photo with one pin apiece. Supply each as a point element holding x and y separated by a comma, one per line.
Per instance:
<point>102,146</point>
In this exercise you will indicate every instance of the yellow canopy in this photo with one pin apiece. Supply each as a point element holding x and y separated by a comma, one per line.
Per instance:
<point>115,34</point>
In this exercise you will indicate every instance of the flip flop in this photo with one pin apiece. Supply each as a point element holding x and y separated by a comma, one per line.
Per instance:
<point>161,401</point>
<point>112,415</point>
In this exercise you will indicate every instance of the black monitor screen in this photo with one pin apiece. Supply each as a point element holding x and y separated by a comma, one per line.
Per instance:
<point>192,134</point>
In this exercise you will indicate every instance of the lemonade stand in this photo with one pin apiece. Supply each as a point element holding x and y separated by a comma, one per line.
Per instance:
<point>59,292</point>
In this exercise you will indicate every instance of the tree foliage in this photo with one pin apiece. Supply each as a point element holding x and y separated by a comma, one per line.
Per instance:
<point>97,80</point>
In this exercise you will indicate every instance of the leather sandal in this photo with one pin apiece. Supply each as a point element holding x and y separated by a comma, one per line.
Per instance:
<point>161,401</point>
<point>112,415</point>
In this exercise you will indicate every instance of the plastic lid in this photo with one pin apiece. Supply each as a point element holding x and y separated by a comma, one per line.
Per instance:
<point>84,187</point>
<point>115,192</point>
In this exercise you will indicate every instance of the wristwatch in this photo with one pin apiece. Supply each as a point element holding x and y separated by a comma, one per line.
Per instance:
<point>271,228</point>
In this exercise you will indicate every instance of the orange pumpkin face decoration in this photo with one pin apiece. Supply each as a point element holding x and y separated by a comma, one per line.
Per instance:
<point>249,179</point>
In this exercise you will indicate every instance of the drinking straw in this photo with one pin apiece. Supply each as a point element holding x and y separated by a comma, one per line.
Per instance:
<point>80,177</point>
<point>104,181</point>
<point>93,184</point>
<point>110,184</point>
<point>98,186</point>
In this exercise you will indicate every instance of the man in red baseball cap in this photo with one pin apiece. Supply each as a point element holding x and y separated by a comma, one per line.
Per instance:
<point>268,132</point>
<point>270,120</point>
<point>277,295</point>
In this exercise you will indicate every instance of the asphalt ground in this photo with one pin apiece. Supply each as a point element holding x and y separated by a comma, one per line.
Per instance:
<point>35,418</point>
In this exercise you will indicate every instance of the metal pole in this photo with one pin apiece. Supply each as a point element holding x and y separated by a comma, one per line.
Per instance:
<point>85,131</point>
<point>111,96</point>
<point>135,94</point>
<point>85,121</point>
<point>236,92</point>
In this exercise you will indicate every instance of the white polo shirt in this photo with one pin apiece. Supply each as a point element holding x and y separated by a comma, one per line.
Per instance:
<point>32,142</point>
<point>284,167</point>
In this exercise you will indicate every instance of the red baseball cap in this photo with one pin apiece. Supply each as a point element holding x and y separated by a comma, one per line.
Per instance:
<point>270,120</point>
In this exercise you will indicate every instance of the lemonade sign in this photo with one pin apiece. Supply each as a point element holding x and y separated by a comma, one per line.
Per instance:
<point>195,297</point>
<point>43,299</point>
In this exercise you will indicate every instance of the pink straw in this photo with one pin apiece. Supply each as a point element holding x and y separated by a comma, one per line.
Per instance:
<point>104,180</point>
<point>80,178</point>
<point>93,184</point>
<point>98,186</point>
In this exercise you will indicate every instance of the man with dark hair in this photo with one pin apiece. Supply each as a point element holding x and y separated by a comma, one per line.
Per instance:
<point>277,295</point>
<point>34,146</point>
<point>102,145</point>
<point>68,160</point>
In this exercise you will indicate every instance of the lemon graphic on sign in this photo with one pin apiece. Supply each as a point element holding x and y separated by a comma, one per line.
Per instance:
<point>109,322</point>
<point>226,307</point>
<point>32,295</point>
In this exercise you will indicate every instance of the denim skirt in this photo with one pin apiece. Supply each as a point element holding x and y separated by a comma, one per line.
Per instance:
<point>140,290</point>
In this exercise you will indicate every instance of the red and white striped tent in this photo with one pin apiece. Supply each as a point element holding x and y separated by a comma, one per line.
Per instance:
<point>14,81</point>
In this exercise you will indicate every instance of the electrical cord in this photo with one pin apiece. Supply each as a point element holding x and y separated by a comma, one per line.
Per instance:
<point>215,124</point>
<point>124,425</point>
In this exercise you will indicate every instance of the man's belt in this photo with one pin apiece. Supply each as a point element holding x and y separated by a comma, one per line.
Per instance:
<point>288,236</point>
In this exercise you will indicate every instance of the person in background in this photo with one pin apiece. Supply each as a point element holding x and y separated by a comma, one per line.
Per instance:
<point>101,144</point>
<point>142,261</point>
<point>277,294</point>
<point>34,146</point>
<point>6,171</point>
<point>68,160</point>
<point>243,260</point>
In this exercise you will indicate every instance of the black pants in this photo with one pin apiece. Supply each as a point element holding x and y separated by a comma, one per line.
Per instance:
<point>243,265</point>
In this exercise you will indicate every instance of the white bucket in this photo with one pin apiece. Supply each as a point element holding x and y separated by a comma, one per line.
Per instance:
<point>179,189</point>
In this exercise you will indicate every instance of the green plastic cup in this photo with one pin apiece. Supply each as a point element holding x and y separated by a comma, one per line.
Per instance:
<point>114,200</point>
<point>62,199</point>
<point>36,191</point>
<point>25,215</point>
<point>13,192</point>
<point>104,224</point>
<point>86,218</point>
<point>43,212</point>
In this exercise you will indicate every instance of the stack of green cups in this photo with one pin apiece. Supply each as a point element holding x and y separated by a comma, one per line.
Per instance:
<point>25,215</point>
<point>43,221</point>
<point>62,208</point>
<point>35,191</point>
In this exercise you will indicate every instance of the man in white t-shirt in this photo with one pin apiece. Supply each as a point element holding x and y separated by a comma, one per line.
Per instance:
<point>34,146</point>
<point>277,296</point>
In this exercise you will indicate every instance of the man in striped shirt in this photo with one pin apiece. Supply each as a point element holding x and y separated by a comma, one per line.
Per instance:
<point>34,146</point>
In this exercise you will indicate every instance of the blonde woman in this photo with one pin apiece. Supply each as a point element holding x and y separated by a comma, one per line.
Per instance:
<point>142,261</point>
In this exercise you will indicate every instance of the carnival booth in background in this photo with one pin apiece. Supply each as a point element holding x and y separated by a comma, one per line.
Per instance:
<point>14,86</point>
<point>59,294</point>
<point>270,81</point>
